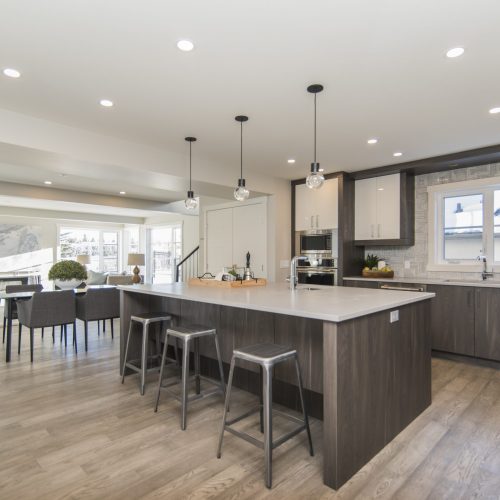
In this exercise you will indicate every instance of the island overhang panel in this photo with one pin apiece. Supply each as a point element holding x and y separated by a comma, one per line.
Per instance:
<point>365,376</point>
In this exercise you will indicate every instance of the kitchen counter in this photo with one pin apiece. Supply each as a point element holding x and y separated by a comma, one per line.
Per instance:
<point>365,354</point>
<point>326,303</point>
<point>431,281</point>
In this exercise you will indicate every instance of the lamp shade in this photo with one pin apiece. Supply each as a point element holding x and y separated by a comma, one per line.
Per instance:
<point>136,259</point>
<point>83,259</point>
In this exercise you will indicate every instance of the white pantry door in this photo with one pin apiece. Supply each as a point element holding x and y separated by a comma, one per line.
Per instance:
<point>219,240</point>
<point>249,235</point>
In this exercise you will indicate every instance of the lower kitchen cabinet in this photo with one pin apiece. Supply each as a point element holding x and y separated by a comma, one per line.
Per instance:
<point>452,315</point>
<point>487,323</point>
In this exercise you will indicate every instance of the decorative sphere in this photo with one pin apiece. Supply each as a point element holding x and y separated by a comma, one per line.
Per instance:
<point>241,193</point>
<point>191,203</point>
<point>315,180</point>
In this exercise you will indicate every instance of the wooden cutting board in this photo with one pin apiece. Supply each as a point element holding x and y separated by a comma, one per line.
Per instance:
<point>227,284</point>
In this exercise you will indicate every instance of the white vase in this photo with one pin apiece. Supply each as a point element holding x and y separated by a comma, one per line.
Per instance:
<point>67,284</point>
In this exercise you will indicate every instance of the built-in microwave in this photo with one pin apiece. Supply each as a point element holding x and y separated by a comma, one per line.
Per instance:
<point>317,242</point>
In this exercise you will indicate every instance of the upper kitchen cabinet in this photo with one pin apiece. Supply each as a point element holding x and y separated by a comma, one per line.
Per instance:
<point>317,208</point>
<point>384,210</point>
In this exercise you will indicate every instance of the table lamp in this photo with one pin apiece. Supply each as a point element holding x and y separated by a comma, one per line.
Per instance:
<point>136,259</point>
<point>83,259</point>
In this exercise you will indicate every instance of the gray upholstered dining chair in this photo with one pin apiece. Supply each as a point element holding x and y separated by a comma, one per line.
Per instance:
<point>17,289</point>
<point>98,304</point>
<point>48,309</point>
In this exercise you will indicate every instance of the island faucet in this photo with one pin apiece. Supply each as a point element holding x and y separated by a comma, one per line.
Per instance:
<point>485,274</point>
<point>293,270</point>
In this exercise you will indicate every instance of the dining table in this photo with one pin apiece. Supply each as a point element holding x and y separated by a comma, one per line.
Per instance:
<point>10,298</point>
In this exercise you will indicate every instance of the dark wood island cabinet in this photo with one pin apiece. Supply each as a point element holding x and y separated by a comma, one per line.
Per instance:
<point>367,373</point>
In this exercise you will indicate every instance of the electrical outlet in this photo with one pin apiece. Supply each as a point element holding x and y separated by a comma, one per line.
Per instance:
<point>407,264</point>
<point>394,316</point>
<point>284,264</point>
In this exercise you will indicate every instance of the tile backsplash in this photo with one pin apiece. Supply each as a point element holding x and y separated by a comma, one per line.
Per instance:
<point>417,255</point>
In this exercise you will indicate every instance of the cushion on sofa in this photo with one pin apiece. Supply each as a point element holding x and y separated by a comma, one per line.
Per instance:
<point>94,278</point>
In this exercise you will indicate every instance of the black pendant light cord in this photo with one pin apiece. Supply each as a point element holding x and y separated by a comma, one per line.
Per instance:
<point>315,128</point>
<point>190,144</point>
<point>241,150</point>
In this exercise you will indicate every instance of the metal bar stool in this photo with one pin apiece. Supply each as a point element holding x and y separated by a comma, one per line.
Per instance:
<point>188,334</point>
<point>266,356</point>
<point>145,320</point>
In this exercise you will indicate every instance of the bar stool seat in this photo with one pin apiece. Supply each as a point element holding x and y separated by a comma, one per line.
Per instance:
<point>266,356</point>
<point>140,365</point>
<point>188,334</point>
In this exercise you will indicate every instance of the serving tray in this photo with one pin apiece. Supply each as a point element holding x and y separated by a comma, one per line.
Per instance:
<point>227,284</point>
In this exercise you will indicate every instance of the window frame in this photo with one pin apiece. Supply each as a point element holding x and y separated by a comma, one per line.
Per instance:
<point>436,195</point>
<point>100,229</point>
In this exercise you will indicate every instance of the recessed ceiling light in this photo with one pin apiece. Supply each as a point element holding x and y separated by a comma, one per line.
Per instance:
<point>185,45</point>
<point>372,141</point>
<point>455,52</point>
<point>11,73</point>
<point>47,182</point>
<point>398,153</point>
<point>380,189</point>
<point>321,169</point>
<point>106,103</point>
<point>494,111</point>
<point>291,160</point>
<point>123,192</point>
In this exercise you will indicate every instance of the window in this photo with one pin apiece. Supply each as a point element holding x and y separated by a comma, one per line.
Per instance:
<point>103,246</point>
<point>464,225</point>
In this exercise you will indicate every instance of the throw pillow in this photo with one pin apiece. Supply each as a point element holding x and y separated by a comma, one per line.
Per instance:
<point>94,278</point>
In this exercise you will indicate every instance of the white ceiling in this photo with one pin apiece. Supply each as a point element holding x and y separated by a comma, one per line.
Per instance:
<point>382,63</point>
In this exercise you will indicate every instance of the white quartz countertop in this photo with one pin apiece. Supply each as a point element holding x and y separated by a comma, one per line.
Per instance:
<point>491,283</point>
<point>327,303</point>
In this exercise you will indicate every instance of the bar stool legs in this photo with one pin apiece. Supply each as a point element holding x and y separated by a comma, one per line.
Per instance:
<point>266,355</point>
<point>188,335</point>
<point>145,320</point>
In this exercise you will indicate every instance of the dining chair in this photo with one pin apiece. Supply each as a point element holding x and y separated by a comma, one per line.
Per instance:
<point>17,289</point>
<point>98,304</point>
<point>46,309</point>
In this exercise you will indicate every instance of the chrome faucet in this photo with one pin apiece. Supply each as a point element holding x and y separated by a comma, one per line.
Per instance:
<point>293,270</point>
<point>485,274</point>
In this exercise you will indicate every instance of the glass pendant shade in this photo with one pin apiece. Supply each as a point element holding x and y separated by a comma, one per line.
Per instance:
<point>190,202</point>
<point>241,193</point>
<point>315,179</point>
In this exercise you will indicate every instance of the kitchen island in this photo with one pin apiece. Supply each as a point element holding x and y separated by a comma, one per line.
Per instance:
<point>365,354</point>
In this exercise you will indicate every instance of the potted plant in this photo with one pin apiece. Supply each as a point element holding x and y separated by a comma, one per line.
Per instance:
<point>67,274</point>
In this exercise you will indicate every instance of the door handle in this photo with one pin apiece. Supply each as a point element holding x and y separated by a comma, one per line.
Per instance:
<point>317,223</point>
<point>372,231</point>
<point>378,230</point>
<point>312,221</point>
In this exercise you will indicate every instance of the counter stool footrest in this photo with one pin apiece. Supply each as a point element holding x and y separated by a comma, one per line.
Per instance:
<point>246,437</point>
<point>288,436</point>
<point>243,416</point>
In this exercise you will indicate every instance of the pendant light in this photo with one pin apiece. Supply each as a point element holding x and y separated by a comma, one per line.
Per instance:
<point>315,179</point>
<point>191,202</point>
<point>241,193</point>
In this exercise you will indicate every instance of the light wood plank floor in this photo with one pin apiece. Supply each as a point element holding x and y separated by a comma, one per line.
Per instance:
<point>69,429</point>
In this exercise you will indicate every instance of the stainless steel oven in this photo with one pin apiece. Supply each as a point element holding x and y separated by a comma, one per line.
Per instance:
<point>318,242</point>
<point>317,275</point>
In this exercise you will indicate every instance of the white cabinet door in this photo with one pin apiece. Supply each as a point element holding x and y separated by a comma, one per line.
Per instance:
<point>327,205</point>
<point>305,209</point>
<point>388,207</point>
<point>249,235</point>
<point>365,209</point>
<point>219,237</point>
